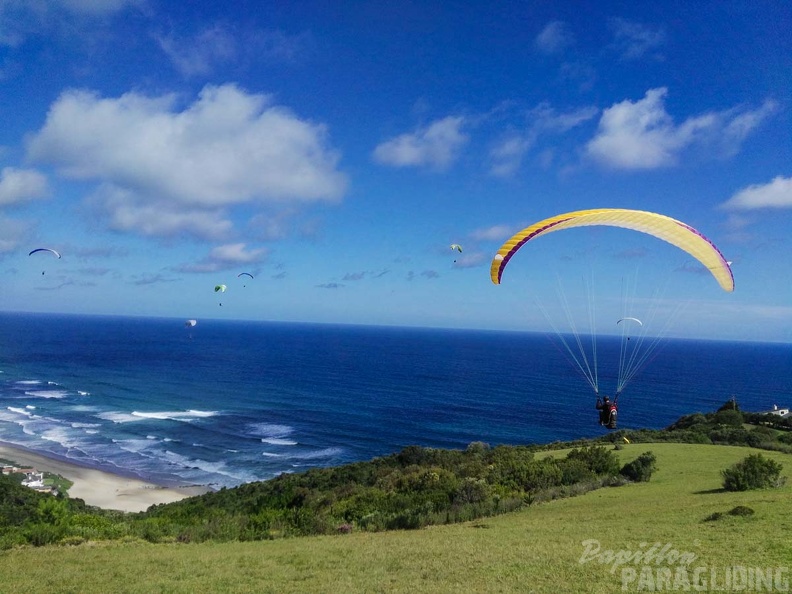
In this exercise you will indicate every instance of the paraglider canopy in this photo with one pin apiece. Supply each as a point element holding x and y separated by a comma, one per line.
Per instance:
<point>220,288</point>
<point>640,323</point>
<point>190,323</point>
<point>674,232</point>
<point>457,247</point>
<point>244,274</point>
<point>51,251</point>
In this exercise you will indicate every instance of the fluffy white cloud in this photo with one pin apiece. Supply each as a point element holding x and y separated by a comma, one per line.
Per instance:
<point>436,145</point>
<point>20,185</point>
<point>164,170</point>
<point>494,233</point>
<point>506,156</point>
<point>775,194</point>
<point>635,40</point>
<point>642,135</point>
<point>226,257</point>
<point>554,38</point>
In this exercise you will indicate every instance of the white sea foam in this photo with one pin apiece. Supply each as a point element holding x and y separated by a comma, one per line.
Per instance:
<point>271,455</point>
<point>20,411</point>
<point>30,407</point>
<point>269,430</point>
<point>28,382</point>
<point>47,393</point>
<point>63,436</point>
<point>325,453</point>
<point>186,415</point>
<point>133,445</point>
<point>83,393</point>
<point>118,417</point>
<point>84,408</point>
<point>84,425</point>
<point>276,441</point>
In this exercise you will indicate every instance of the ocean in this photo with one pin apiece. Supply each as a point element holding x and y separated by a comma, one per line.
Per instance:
<point>228,402</point>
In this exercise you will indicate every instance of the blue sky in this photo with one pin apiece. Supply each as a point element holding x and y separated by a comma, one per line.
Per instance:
<point>335,150</point>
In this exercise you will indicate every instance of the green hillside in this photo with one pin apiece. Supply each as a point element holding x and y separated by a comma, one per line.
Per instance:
<point>536,549</point>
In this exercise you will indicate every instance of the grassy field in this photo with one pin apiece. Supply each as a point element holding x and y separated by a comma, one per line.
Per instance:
<point>538,549</point>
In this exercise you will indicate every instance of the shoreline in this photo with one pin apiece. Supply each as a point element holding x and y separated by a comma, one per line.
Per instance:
<point>100,488</point>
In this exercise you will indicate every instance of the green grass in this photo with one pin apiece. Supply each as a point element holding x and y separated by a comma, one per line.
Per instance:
<point>535,550</point>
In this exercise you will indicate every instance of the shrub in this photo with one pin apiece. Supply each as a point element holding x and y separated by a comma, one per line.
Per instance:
<point>599,460</point>
<point>754,472</point>
<point>733,418</point>
<point>640,469</point>
<point>741,510</point>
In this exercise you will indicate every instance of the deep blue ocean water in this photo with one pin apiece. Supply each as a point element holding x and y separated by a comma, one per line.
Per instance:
<point>225,403</point>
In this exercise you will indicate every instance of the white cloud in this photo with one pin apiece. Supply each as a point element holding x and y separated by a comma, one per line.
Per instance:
<point>642,135</point>
<point>20,185</point>
<point>13,233</point>
<point>21,19</point>
<point>98,7</point>
<point>436,145</point>
<point>201,53</point>
<point>775,194</point>
<point>635,40</point>
<point>554,38</point>
<point>164,170</point>
<point>124,211</point>
<point>494,233</point>
<point>471,260</point>
<point>226,257</point>
<point>507,155</point>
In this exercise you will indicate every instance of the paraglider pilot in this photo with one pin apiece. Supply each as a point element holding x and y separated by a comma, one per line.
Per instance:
<point>603,406</point>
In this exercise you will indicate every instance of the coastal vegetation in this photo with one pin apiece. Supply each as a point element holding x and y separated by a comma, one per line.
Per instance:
<point>537,548</point>
<point>415,488</point>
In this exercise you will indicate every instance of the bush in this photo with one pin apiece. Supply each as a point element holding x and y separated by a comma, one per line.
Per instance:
<point>741,510</point>
<point>754,472</point>
<point>640,470</point>
<point>733,418</point>
<point>600,461</point>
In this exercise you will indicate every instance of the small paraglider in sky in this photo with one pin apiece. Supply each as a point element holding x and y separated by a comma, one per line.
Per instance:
<point>241,274</point>
<point>189,324</point>
<point>220,289</point>
<point>51,251</point>
<point>457,247</point>
<point>640,323</point>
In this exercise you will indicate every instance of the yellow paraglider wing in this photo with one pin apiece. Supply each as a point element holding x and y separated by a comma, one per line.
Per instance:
<point>674,232</point>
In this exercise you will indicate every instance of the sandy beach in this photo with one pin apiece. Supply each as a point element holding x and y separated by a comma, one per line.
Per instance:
<point>101,489</point>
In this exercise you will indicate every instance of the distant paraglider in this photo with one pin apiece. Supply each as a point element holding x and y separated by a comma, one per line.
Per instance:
<point>220,289</point>
<point>241,274</point>
<point>640,323</point>
<point>456,247</point>
<point>51,251</point>
<point>190,323</point>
